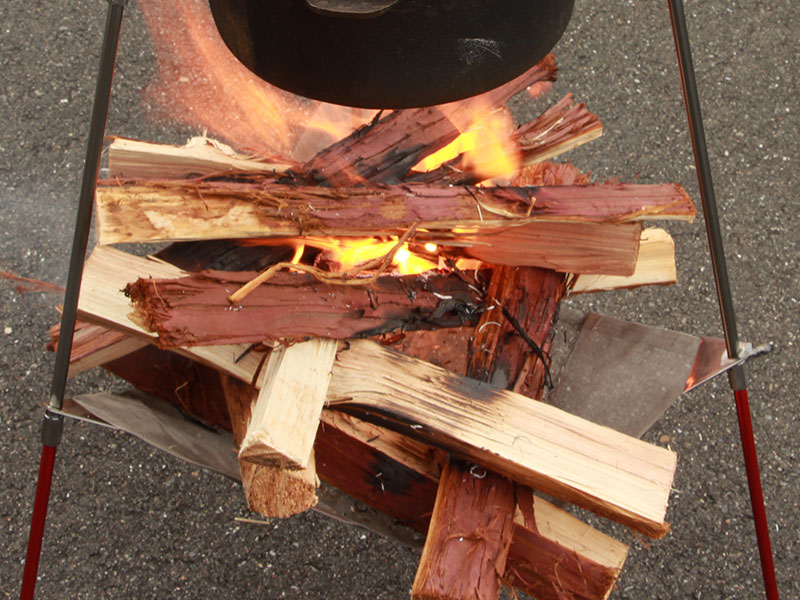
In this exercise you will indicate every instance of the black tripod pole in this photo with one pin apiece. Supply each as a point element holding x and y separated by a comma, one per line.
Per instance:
<point>53,423</point>
<point>737,374</point>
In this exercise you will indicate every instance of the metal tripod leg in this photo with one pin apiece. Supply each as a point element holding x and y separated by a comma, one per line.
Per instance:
<point>737,374</point>
<point>53,423</point>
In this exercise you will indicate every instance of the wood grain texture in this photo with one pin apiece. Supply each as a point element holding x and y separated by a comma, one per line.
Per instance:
<point>614,475</point>
<point>386,149</point>
<point>195,309</point>
<point>468,537</point>
<point>382,468</point>
<point>173,210</point>
<point>93,345</point>
<point>655,265</point>
<point>285,414</point>
<point>102,301</point>
<point>200,156</point>
<point>269,490</point>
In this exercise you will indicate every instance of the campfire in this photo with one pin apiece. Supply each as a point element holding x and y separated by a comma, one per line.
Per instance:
<point>368,299</point>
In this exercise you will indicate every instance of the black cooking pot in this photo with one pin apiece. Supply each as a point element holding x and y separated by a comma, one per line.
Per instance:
<point>390,53</point>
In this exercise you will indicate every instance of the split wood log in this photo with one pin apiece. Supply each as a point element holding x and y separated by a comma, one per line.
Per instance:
<point>285,415</point>
<point>516,298</point>
<point>200,156</point>
<point>644,510</point>
<point>386,149</point>
<point>612,474</point>
<point>270,490</point>
<point>564,557</point>
<point>564,247</point>
<point>192,387</point>
<point>194,310</point>
<point>561,128</point>
<point>640,465</point>
<point>103,302</point>
<point>655,265</point>
<point>468,537</point>
<point>558,554</point>
<point>93,345</point>
<point>391,473</point>
<point>195,210</point>
<point>474,510</point>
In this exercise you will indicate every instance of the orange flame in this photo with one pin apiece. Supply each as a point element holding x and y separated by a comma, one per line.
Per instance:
<point>486,144</point>
<point>352,252</point>
<point>203,85</point>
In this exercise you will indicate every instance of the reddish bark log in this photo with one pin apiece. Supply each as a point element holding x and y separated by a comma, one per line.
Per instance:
<point>468,537</point>
<point>195,310</point>
<point>180,210</point>
<point>499,353</point>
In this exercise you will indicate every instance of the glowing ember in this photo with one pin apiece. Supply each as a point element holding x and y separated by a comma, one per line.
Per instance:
<point>347,254</point>
<point>352,252</point>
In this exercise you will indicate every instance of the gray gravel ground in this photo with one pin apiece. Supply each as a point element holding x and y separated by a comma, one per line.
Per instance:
<point>128,522</point>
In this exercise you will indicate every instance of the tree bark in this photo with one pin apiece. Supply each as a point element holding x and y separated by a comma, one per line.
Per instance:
<point>468,537</point>
<point>195,310</point>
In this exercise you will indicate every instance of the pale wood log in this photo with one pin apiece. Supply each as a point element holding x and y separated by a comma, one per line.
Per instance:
<point>286,412</point>
<point>102,301</point>
<point>93,345</point>
<point>270,491</point>
<point>468,537</point>
<point>598,468</point>
<point>200,156</point>
<point>655,265</point>
<point>393,474</point>
<point>196,210</point>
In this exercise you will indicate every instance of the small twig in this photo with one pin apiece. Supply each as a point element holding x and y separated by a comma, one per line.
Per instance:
<point>350,277</point>
<point>251,521</point>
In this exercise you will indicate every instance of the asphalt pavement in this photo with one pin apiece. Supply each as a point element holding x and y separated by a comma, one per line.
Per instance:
<point>129,522</point>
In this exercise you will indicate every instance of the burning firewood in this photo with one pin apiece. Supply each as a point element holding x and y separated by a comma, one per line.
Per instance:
<point>263,360</point>
<point>389,147</point>
<point>148,211</point>
<point>560,128</point>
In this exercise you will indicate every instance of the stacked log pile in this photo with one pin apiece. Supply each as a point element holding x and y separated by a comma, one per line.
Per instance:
<point>414,394</point>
